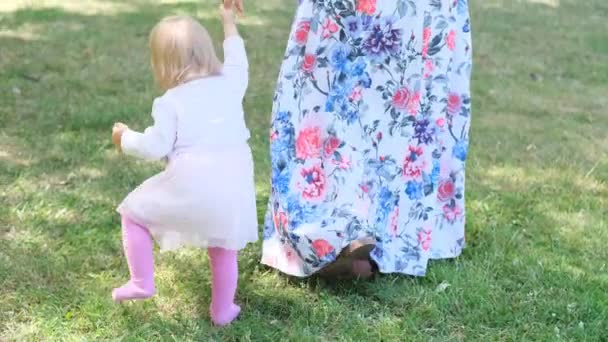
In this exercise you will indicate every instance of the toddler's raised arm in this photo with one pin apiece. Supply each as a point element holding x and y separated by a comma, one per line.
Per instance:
<point>236,65</point>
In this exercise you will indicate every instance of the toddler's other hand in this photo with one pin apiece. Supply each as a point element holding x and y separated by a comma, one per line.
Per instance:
<point>117,131</point>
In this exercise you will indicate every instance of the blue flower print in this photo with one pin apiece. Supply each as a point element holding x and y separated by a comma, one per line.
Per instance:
<point>386,203</point>
<point>339,57</point>
<point>283,117</point>
<point>467,26</point>
<point>414,190</point>
<point>462,7</point>
<point>378,254</point>
<point>282,147</point>
<point>460,150</point>
<point>281,180</point>
<point>357,69</point>
<point>365,81</point>
<point>337,95</point>
<point>268,225</point>
<point>346,112</point>
<point>280,150</point>
<point>298,211</point>
<point>435,173</point>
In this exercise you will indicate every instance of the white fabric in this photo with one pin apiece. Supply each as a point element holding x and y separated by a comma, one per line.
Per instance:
<point>206,195</point>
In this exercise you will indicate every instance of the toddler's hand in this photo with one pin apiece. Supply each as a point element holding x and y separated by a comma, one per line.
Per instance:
<point>227,14</point>
<point>117,131</point>
<point>237,4</point>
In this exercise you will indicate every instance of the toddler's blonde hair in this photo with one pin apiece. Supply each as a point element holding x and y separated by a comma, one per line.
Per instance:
<point>181,49</point>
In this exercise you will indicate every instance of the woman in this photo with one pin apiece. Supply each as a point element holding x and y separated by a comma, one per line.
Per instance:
<point>369,138</point>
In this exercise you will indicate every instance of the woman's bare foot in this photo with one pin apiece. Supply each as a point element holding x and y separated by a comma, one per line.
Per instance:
<point>352,263</point>
<point>362,269</point>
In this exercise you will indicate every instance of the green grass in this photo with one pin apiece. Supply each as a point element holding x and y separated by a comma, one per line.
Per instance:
<point>536,267</point>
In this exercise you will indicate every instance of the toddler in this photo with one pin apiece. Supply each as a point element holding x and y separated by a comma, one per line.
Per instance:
<point>206,195</point>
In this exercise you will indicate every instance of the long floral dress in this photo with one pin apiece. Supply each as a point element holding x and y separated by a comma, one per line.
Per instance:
<point>370,134</point>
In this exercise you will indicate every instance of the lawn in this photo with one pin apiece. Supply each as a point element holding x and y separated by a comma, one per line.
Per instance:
<point>537,264</point>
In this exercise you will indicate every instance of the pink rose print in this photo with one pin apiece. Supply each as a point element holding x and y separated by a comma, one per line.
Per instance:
<point>308,65</point>
<point>440,122</point>
<point>357,94</point>
<point>343,164</point>
<point>394,222</point>
<point>426,40</point>
<point>322,248</point>
<point>301,35</point>
<point>331,145</point>
<point>403,99</point>
<point>364,188</point>
<point>314,182</point>
<point>414,103</point>
<point>280,221</point>
<point>452,213</point>
<point>329,28</point>
<point>454,104</point>
<point>413,165</point>
<point>446,190</point>
<point>308,143</point>
<point>413,170</point>
<point>428,68</point>
<point>366,6</point>
<point>451,40</point>
<point>424,237</point>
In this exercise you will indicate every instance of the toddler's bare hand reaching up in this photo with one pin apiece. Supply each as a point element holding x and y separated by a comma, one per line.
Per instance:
<point>229,20</point>
<point>227,14</point>
<point>237,4</point>
<point>117,131</point>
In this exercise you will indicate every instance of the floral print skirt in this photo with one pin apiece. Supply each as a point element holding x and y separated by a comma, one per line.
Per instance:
<point>370,132</point>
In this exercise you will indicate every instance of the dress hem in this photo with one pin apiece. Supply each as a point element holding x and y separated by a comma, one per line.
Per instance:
<point>407,272</point>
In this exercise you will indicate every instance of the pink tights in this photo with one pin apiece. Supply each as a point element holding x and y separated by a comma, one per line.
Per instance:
<point>137,244</point>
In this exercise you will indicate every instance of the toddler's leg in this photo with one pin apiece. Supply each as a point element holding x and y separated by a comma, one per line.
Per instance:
<point>225,273</point>
<point>137,244</point>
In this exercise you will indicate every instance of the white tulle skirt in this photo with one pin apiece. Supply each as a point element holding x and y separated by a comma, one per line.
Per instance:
<point>202,199</point>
